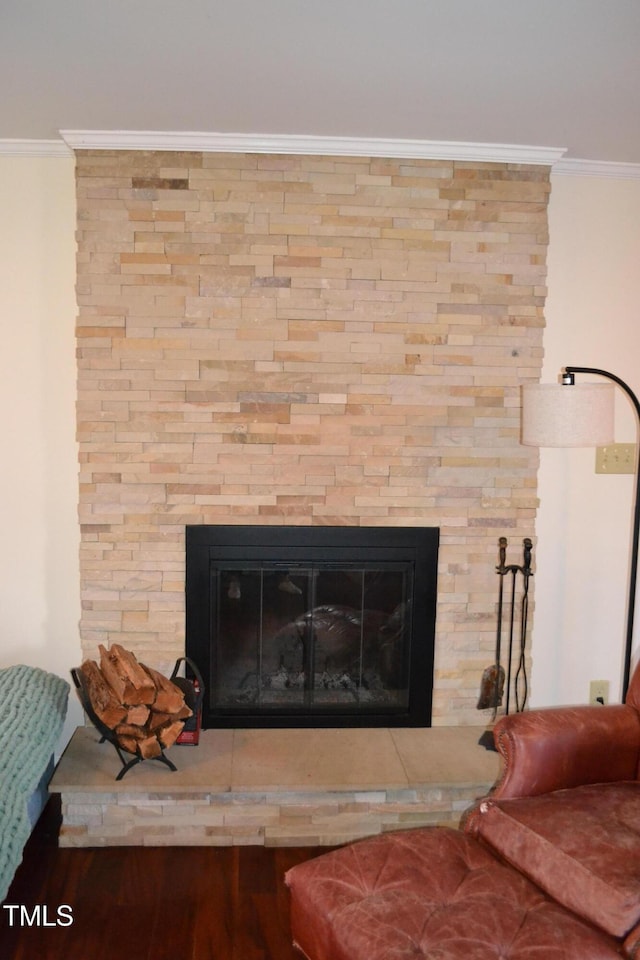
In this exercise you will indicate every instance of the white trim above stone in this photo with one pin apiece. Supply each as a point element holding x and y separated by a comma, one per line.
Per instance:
<point>182,141</point>
<point>310,145</point>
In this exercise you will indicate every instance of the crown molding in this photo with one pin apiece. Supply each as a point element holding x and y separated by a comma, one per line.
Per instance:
<point>597,168</point>
<point>34,148</point>
<point>309,145</point>
<point>328,146</point>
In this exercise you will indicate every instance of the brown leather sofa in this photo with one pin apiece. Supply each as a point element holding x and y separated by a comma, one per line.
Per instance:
<point>547,866</point>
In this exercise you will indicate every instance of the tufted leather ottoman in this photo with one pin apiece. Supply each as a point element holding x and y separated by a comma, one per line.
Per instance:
<point>434,893</point>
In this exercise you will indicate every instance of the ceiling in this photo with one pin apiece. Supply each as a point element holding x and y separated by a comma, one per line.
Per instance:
<point>552,73</point>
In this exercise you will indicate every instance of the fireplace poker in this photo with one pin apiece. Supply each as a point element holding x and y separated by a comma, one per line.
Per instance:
<point>492,684</point>
<point>521,682</point>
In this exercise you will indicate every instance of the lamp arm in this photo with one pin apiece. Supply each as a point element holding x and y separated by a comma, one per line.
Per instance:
<point>633,574</point>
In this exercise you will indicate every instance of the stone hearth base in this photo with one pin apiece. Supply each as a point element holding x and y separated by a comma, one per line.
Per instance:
<point>273,787</point>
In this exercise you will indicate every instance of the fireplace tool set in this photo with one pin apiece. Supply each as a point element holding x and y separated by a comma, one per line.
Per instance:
<point>495,685</point>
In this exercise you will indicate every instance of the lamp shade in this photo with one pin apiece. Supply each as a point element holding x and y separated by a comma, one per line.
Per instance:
<point>560,415</point>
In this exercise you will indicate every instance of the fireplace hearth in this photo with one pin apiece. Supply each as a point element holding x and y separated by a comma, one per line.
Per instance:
<point>312,626</point>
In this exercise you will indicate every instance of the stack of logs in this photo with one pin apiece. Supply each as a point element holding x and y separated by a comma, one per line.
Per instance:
<point>144,710</point>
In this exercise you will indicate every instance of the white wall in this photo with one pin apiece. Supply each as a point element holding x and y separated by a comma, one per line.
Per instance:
<point>39,570</point>
<point>584,520</point>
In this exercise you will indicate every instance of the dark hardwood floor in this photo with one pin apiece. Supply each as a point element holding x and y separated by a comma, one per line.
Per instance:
<point>148,903</point>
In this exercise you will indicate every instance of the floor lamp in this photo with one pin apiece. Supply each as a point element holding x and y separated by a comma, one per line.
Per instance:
<point>568,414</point>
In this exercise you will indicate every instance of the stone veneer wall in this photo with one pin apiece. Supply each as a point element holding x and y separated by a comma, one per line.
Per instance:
<point>306,340</point>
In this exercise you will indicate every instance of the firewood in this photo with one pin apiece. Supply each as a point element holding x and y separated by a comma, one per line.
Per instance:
<point>130,744</point>
<point>149,747</point>
<point>130,730</point>
<point>157,720</point>
<point>169,697</point>
<point>144,710</point>
<point>118,684</point>
<point>138,715</point>
<point>169,735</point>
<point>102,698</point>
<point>184,713</point>
<point>129,681</point>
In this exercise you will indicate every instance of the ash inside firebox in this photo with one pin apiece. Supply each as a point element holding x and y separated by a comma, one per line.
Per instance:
<point>334,653</point>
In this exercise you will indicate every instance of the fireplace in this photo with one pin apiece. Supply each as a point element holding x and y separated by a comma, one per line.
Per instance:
<point>312,626</point>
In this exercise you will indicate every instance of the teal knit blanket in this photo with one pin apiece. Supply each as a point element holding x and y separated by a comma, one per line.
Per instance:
<point>33,705</point>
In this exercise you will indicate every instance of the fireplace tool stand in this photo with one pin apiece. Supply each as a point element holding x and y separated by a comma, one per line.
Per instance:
<point>494,684</point>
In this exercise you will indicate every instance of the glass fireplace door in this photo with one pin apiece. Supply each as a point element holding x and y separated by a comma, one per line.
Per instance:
<point>313,638</point>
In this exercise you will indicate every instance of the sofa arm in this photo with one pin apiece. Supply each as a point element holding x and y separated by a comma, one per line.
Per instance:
<point>560,747</point>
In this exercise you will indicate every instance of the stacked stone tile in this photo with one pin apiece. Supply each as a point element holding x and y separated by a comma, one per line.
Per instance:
<point>308,340</point>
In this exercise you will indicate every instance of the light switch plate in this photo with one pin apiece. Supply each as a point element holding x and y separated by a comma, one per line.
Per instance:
<point>616,458</point>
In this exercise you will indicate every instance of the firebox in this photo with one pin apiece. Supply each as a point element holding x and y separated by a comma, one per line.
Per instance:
<point>312,626</point>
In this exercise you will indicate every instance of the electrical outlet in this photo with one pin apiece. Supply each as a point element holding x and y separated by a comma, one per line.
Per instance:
<point>616,458</point>
<point>599,692</point>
